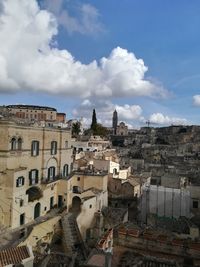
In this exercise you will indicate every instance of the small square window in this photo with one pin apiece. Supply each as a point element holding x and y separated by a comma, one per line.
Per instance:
<point>90,206</point>
<point>45,208</point>
<point>78,178</point>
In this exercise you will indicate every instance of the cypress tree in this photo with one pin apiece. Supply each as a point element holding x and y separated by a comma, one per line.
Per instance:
<point>94,121</point>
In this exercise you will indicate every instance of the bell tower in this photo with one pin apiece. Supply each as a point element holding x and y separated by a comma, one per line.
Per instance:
<point>114,121</point>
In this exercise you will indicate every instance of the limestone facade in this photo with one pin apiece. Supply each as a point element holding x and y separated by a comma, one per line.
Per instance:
<point>32,162</point>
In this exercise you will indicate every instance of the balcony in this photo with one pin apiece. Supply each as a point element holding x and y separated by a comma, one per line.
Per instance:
<point>47,180</point>
<point>34,193</point>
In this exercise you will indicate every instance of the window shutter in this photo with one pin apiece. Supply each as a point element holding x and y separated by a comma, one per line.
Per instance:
<point>36,177</point>
<point>30,178</point>
<point>49,171</point>
<point>22,180</point>
<point>52,148</point>
<point>38,147</point>
<point>17,183</point>
<point>55,148</point>
<point>32,147</point>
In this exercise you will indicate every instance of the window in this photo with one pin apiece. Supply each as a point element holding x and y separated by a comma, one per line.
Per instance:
<point>35,148</point>
<point>22,219</point>
<point>19,145</point>
<point>78,178</point>
<point>20,181</point>
<point>13,144</point>
<point>21,202</point>
<point>65,170</point>
<point>33,177</point>
<point>51,173</point>
<point>114,171</point>
<point>195,204</point>
<point>90,206</point>
<point>76,189</point>
<point>51,202</point>
<point>53,148</point>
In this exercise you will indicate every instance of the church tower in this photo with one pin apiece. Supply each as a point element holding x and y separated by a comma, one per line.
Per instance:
<point>115,121</point>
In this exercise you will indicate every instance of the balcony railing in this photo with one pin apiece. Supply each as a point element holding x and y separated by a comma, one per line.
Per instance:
<point>47,180</point>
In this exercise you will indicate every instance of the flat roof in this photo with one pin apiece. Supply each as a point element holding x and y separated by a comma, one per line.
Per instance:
<point>31,107</point>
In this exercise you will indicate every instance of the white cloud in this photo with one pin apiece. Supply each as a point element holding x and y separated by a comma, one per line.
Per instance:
<point>85,22</point>
<point>159,118</point>
<point>29,62</point>
<point>196,100</point>
<point>130,114</point>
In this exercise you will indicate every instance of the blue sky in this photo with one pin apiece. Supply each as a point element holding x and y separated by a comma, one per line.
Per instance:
<point>164,34</point>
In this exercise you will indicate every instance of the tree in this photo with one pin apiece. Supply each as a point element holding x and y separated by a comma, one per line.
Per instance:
<point>94,121</point>
<point>76,128</point>
<point>100,130</point>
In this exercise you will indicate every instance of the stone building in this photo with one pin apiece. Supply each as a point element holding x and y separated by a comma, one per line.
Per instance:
<point>32,112</point>
<point>32,162</point>
<point>122,129</point>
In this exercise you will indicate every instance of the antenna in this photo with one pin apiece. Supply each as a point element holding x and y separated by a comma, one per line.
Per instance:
<point>148,123</point>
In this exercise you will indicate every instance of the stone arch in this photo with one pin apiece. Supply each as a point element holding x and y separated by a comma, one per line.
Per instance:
<point>52,163</point>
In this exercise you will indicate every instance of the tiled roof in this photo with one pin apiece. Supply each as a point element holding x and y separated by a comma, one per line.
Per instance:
<point>13,255</point>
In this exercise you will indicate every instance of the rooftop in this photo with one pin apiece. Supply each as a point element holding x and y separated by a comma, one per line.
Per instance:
<point>14,255</point>
<point>31,107</point>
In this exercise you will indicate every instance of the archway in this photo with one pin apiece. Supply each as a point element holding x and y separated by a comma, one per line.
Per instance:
<point>37,210</point>
<point>76,204</point>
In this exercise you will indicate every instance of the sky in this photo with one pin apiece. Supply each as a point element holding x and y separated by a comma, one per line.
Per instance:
<point>140,57</point>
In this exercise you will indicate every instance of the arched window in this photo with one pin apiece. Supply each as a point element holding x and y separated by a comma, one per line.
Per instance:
<point>51,173</point>
<point>115,171</point>
<point>19,144</point>
<point>13,143</point>
<point>65,170</point>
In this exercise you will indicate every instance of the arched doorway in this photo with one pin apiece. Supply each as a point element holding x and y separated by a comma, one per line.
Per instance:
<point>76,204</point>
<point>37,210</point>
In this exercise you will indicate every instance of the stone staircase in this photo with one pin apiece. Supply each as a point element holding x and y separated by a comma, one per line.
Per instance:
<point>72,240</point>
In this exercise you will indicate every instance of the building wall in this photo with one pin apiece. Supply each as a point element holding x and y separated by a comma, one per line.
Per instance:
<point>85,182</point>
<point>18,163</point>
<point>164,201</point>
<point>35,113</point>
<point>106,165</point>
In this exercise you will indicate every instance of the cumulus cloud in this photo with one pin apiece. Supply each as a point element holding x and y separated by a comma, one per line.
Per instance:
<point>29,60</point>
<point>130,114</point>
<point>196,100</point>
<point>85,22</point>
<point>159,118</point>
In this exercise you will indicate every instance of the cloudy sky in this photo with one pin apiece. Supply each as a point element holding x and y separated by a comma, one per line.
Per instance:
<point>140,57</point>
